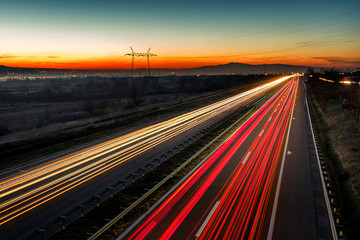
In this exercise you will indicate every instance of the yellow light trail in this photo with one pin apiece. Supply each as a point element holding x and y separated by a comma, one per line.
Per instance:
<point>21,192</point>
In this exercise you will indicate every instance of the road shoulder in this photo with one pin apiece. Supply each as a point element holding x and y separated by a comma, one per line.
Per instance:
<point>301,212</point>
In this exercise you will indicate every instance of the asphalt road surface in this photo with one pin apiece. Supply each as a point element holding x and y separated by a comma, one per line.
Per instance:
<point>301,210</point>
<point>229,195</point>
<point>36,193</point>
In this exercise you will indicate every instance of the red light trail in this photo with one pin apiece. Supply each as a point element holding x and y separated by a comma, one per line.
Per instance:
<point>237,210</point>
<point>23,191</point>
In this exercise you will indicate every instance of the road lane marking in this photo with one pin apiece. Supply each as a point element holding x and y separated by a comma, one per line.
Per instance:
<point>278,185</point>
<point>270,119</point>
<point>83,154</point>
<point>246,157</point>
<point>261,133</point>
<point>207,219</point>
<point>205,110</point>
<point>122,236</point>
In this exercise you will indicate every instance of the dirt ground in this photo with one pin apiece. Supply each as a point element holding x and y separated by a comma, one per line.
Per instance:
<point>344,132</point>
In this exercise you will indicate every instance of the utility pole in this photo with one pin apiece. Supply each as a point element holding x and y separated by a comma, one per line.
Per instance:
<point>132,65</point>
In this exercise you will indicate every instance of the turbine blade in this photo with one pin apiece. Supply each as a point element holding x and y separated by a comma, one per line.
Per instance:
<point>132,50</point>
<point>148,50</point>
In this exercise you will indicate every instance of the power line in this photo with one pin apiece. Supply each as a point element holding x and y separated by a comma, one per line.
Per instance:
<point>134,54</point>
<point>319,42</point>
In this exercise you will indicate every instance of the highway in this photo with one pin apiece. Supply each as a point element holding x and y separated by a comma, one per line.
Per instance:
<point>29,188</point>
<point>230,194</point>
<point>301,211</point>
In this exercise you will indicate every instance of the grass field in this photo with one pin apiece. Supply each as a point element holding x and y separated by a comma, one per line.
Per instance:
<point>339,133</point>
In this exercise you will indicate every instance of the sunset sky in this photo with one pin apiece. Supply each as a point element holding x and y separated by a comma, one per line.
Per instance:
<point>97,34</point>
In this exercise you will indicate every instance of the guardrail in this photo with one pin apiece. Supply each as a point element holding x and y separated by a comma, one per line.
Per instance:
<point>85,206</point>
<point>132,206</point>
<point>326,182</point>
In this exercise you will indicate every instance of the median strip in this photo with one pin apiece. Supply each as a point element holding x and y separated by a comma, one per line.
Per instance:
<point>157,186</point>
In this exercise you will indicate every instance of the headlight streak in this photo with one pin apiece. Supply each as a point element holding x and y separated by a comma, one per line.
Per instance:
<point>168,134</point>
<point>76,168</point>
<point>67,180</point>
<point>142,133</point>
<point>245,195</point>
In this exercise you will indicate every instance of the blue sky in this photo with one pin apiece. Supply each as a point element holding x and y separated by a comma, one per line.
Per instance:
<point>216,31</point>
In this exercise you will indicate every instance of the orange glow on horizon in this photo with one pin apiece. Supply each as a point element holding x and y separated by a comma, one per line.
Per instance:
<point>124,63</point>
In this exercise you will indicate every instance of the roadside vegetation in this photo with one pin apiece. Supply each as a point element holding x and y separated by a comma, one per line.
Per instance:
<point>335,107</point>
<point>40,117</point>
<point>29,104</point>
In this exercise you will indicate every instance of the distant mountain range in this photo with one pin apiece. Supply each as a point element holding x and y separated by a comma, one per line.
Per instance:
<point>233,68</point>
<point>230,68</point>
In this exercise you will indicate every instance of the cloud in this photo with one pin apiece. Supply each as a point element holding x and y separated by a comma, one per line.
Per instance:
<point>65,63</point>
<point>310,43</point>
<point>6,56</point>
<point>335,59</point>
<point>270,58</point>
